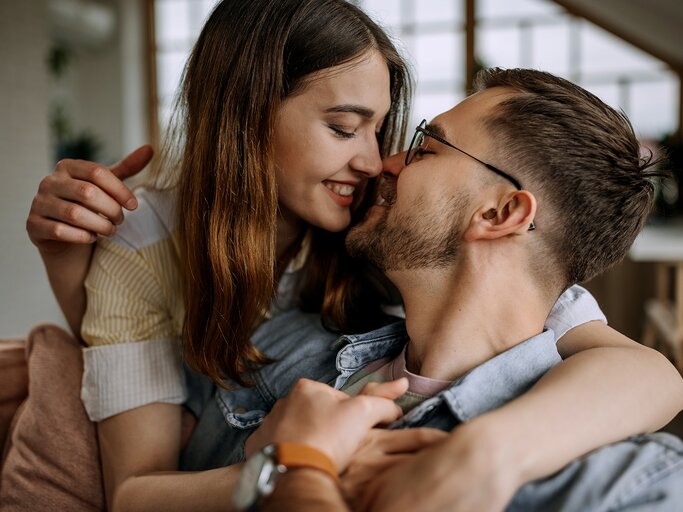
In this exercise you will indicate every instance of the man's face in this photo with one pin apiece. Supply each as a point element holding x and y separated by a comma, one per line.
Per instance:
<point>425,207</point>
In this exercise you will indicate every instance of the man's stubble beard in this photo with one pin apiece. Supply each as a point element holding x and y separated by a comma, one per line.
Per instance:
<point>410,241</point>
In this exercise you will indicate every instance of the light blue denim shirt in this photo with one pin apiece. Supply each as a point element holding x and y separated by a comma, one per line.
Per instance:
<point>641,474</point>
<point>484,388</point>
<point>301,348</point>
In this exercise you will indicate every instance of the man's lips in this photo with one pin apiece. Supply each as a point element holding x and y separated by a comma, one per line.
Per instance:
<point>386,194</point>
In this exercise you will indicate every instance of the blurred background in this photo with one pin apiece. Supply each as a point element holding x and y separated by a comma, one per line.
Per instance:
<point>94,79</point>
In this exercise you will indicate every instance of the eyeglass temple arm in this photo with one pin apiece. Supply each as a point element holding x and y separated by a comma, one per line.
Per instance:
<point>505,175</point>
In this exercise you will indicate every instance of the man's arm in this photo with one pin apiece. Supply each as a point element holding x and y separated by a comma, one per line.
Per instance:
<point>305,490</point>
<point>608,388</point>
<point>73,205</point>
<point>330,422</point>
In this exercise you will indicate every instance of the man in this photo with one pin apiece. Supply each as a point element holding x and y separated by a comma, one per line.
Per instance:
<point>480,252</point>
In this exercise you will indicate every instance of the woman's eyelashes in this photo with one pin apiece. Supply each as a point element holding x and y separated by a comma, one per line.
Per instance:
<point>341,132</point>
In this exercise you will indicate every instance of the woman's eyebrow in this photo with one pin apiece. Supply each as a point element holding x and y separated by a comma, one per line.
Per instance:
<point>352,109</point>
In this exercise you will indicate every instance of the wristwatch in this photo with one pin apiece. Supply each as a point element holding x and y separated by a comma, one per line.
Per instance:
<point>263,469</point>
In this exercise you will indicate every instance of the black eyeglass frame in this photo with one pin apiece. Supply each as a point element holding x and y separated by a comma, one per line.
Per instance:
<point>421,128</point>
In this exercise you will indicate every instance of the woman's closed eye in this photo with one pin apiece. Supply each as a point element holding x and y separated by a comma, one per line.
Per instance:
<point>339,131</point>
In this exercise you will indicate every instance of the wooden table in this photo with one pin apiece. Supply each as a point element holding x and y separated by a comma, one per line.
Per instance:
<point>663,245</point>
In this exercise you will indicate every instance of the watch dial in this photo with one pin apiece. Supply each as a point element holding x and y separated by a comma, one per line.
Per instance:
<point>246,491</point>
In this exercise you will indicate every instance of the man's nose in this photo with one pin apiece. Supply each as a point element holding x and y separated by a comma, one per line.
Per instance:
<point>394,164</point>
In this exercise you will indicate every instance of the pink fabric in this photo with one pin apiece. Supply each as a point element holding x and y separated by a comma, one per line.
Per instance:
<point>13,382</point>
<point>52,459</point>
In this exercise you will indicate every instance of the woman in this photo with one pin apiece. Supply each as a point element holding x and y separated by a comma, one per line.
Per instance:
<point>286,108</point>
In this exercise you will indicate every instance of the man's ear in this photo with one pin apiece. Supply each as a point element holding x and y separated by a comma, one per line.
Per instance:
<point>513,214</point>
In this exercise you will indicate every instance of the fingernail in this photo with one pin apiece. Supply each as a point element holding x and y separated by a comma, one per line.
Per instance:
<point>131,204</point>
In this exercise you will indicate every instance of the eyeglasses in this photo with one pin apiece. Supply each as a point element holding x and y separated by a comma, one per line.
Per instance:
<point>417,145</point>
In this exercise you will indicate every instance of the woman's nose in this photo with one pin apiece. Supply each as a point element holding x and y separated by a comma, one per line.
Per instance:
<point>368,161</point>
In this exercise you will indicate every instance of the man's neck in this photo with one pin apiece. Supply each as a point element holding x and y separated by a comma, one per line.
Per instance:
<point>458,318</point>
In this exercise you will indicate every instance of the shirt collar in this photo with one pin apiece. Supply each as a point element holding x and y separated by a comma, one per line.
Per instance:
<point>495,382</point>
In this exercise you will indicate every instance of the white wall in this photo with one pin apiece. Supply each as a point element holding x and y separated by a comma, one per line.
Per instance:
<point>107,85</point>
<point>25,297</point>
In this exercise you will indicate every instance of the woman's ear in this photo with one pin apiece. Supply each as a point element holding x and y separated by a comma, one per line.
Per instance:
<point>514,214</point>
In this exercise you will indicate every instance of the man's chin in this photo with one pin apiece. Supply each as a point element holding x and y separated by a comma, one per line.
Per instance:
<point>359,239</point>
<point>373,217</point>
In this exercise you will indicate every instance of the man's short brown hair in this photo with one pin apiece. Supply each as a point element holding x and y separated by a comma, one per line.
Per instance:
<point>582,159</point>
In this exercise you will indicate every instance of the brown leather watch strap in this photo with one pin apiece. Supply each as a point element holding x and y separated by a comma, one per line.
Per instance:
<point>296,455</point>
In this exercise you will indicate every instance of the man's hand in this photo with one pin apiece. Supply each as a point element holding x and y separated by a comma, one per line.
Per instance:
<point>327,419</point>
<point>82,199</point>
<point>460,473</point>
<point>380,450</point>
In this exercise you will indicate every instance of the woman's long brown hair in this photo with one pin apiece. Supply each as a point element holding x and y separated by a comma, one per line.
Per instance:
<point>249,57</point>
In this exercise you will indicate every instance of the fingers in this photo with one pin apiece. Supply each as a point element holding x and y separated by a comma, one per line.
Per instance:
<point>372,407</point>
<point>407,440</point>
<point>373,410</point>
<point>100,177</point>
<point>133,163</point>
<point>358,475</point>
<point>82,199</point>
<point>391,390</point>
<point>81,193</point>
<point>46,229</point>
<point>76,216</point>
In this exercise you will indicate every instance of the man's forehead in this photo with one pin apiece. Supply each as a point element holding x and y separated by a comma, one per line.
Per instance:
<point>469,112</point>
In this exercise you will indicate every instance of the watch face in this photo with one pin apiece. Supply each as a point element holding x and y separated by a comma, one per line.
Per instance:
<point>257,479</point>
<point>246,491</point>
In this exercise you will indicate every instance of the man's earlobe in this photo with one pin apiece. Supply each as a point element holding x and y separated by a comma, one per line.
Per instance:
<point>522,208</point>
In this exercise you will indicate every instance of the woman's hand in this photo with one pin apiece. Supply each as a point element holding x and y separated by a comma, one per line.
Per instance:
<point>380,450</point>
<point>82,199</point>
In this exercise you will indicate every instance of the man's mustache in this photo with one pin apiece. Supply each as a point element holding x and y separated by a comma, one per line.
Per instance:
<point>387,190</point>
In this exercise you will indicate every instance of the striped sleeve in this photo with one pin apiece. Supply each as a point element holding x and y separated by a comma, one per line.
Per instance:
<point>132,322</point>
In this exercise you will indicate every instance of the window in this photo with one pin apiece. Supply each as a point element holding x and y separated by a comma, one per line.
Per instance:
<point>431,33</point>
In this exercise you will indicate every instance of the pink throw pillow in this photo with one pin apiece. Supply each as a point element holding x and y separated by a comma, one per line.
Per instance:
<point>13,382</point>
<point>52,459</point>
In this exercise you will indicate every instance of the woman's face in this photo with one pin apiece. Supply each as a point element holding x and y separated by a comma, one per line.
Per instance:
<point>326,142</point>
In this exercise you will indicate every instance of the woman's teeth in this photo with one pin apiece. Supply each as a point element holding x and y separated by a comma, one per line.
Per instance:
<point>341,188</point>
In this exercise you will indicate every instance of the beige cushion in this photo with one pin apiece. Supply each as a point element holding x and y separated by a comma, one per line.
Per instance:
<point>51,460</point>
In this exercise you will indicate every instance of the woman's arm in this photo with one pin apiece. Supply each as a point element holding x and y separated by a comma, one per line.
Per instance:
<point>140,449</point>
<point>74,204</point>
<point>608,388</point>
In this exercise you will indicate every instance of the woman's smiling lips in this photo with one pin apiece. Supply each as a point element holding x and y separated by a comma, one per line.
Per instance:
<point>340,192</point>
